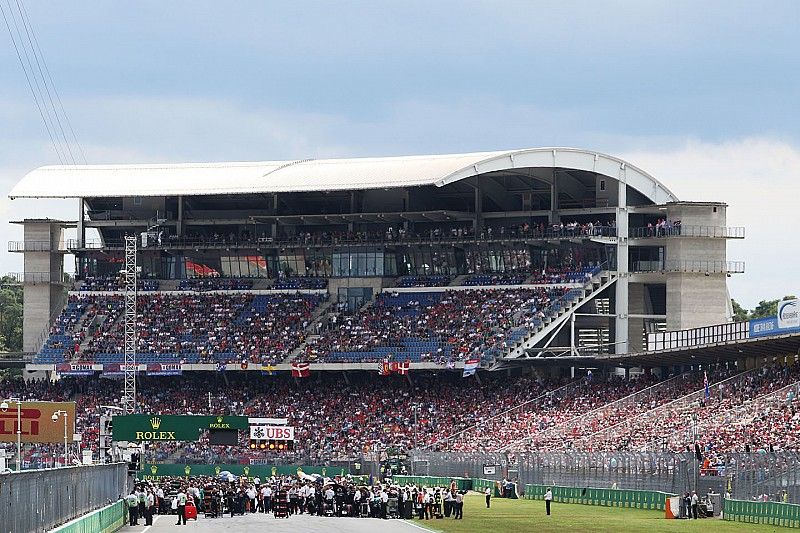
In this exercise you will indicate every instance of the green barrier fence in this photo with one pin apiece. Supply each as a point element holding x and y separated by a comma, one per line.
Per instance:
<point>462,483</point>
<point>105,520</point>
<point>635,499</point>
<point>156,471</point>
<point>481,484</point>
<point>772,513</point>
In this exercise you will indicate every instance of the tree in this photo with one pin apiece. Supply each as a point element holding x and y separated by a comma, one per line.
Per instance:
<point>767,308</point>
<point>740,314</point>
<point>10,315</point>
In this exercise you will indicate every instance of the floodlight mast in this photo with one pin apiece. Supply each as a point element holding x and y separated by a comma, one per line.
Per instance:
<point>129,276</point>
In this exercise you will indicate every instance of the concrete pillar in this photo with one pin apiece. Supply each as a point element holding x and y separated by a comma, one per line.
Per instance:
<point>621,287</point>
<point>478,222</point>
<point>179,227</point>
<point>352,209</point>
<point>81,230</point>
<point>274,229</point>
<point>554,216</point>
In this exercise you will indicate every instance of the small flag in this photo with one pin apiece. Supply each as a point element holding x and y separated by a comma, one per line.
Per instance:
<point>470,367</point>
<point>385,369</point>
<point>267,370</point>
<point>301,370</point>
<point>705,385</point>
<point>451,365</point>
<point>221,365</point>
<point>404,367</point>
<point>243,365</point>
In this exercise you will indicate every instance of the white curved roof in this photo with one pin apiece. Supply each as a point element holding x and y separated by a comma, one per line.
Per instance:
<point>188,179</point>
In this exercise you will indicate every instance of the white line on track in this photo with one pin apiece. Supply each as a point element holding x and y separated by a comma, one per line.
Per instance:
<point>151,525</point>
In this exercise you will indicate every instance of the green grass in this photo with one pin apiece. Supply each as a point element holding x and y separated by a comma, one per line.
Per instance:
<point>512,516</point>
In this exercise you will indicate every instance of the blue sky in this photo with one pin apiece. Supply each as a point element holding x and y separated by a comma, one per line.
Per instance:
<point>702,94</point>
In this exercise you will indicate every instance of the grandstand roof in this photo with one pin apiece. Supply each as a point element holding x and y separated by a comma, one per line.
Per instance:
<point>189,179</point>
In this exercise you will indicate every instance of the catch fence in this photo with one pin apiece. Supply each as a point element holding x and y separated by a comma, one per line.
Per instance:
<point>667,472</point>
<point>39,500</point>
<point>759,474</point>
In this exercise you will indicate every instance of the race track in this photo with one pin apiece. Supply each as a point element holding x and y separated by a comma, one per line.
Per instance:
<point>262,522</point>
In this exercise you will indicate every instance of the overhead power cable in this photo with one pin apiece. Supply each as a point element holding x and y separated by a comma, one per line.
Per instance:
<point>28,79</point>
<point>52,83</point>
<point>40,83</point>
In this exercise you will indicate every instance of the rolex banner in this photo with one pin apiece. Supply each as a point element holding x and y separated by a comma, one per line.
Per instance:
<point>157,471</point>
<point>139,428</point>
<point>37,422</point>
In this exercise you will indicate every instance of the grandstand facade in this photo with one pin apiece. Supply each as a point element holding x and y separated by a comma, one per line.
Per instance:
<point>501,257</point>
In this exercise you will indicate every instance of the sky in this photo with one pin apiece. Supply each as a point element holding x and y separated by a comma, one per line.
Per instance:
<point>703,95</point>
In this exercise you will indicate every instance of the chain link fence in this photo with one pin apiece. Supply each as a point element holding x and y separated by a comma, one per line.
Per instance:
<point>38,500</point>
<point>773,476</point>
<point>668,472</point>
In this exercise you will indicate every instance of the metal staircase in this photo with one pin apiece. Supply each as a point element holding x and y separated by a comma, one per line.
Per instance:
<point>560,313</point>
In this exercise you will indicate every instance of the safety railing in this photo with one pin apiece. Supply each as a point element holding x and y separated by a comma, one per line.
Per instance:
<point>34,246</point>
<point>689,266</point>
<point>38,277</point>
<point>686,338</point>
<point>718,232</point>
<point>739,412</point>
<point>300,242</point>
<point>640,420</point>
<point>562,434</point>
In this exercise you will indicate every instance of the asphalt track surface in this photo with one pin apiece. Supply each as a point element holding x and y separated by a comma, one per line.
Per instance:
<point>266,522</point>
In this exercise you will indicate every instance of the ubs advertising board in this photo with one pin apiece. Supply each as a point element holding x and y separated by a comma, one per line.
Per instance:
<point>145,428</point>
<point>37,422</point>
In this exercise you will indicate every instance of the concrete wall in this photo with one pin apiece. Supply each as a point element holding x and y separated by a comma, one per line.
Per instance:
<point>41,298</point>
<point>695,299</point>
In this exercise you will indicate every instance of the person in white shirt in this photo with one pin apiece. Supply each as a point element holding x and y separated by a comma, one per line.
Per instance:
<point>182,498</point>
<point>267,492</point>
<point>459,506</point>
<point>384,503</point>
<point>251,495</point>
<point>548,497</point>
<point>488,493</point>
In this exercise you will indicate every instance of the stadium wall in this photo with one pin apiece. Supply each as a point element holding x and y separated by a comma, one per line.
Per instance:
<point>634,499</point>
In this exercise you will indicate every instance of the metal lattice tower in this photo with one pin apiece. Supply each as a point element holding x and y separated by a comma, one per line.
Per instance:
<point>130,275</point>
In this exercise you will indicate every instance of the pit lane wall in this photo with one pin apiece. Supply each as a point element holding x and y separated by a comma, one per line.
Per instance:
<point>105,520</point>
<point>773,513</point>
<point>634,499</point>
<point>39,500</point>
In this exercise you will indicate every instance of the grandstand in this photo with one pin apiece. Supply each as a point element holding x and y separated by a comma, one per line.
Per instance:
<point>592,300</point>
<point>546,253</point>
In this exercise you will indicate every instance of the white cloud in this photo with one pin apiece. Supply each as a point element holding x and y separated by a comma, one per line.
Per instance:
<point>760,180</point>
